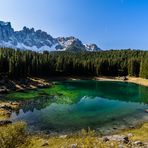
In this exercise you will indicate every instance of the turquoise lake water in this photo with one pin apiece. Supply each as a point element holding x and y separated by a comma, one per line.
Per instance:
<point>73,105</point>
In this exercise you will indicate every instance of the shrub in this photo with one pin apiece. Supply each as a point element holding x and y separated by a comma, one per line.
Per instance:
<point>13,135</point>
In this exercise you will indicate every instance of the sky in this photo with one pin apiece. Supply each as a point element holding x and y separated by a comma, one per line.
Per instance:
<point>111,24</point>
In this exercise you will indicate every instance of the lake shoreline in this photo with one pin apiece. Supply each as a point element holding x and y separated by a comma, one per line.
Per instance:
<point>15,105</point>
<point>31,83</point>
<point>136,80</point>
<point>9,86</point>
<point>7,107</point>
<point>133,138</point>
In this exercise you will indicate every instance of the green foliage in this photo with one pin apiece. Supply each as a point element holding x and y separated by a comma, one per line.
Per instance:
<point>18,64</point>
<point>144,68</point>
<point>133,67</point>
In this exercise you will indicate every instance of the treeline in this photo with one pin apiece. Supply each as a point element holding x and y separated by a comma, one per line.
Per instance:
<point>19,64</point>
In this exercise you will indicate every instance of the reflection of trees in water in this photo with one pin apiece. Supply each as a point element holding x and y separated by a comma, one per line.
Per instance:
<point>127,92</point>
<point>143,94</point>
<point>37,103</point>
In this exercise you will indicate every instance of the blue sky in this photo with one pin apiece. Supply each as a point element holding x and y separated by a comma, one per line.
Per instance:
<point>112,24</point>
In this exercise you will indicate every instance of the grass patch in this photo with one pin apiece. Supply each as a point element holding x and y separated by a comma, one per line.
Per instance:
<point>82,140</point>
<point>139,133</point>
<point>13,136</point>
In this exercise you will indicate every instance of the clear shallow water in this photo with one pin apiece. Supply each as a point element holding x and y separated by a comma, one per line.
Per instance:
<point>72,105</point>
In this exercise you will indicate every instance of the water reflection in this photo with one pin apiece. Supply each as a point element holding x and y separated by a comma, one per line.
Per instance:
<point>37,103</point>
<point>103,105</point>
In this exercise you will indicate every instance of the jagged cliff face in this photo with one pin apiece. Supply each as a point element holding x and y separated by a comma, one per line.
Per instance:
<point>29,39</point>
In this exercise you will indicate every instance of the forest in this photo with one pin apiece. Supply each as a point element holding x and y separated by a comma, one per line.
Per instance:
<point>23,63</point>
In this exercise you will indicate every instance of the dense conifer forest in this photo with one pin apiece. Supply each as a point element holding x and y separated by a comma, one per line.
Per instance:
<point>20,64</point>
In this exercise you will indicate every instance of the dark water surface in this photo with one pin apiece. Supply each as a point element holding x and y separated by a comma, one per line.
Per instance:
<point>72,105</point>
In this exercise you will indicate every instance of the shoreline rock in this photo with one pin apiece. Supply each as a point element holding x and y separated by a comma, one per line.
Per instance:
<point>6,109</point>
<point>118,138</point>
<point>7,85</point>
<point>3,90</point>
<point>138,143</point>
<point>5,122</point>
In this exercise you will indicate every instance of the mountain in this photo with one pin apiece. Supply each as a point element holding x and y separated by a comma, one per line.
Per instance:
<point>29,39</point>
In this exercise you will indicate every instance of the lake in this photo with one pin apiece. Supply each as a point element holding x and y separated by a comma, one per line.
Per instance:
<point>70,106</point>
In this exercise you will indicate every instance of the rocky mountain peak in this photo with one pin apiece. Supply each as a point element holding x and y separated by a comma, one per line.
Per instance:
<point>92,47</point>
<point>5,23</point>
<point>38,40</point>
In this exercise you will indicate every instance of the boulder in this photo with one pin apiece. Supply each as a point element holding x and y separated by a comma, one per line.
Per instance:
<point>6,107</point>
<point>105,139</point>
<point>129,134</point>
<point>138,143</point>
<point>121,146</point>
<point>118,138</point>
<point>4,112</point>
<point>45,143</point>
<point>63,136</point>
<point>124,78</point>
<point>43,86</point>
<point>73,145</point>
<point>14,103</point>
<point>3,90</point>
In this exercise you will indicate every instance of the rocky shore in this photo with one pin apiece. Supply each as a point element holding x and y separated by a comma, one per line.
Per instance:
<point>7,86</point>
<point>6,109</point>
<point>135,138</point>
<point>135,80</point>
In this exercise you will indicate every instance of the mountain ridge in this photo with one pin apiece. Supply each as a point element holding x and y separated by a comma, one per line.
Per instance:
<point>38,40</point>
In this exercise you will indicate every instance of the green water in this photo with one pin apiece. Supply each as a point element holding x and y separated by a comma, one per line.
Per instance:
<point>72,105</point>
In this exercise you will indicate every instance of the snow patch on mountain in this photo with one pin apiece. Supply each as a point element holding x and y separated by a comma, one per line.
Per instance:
<point>29,39</point>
